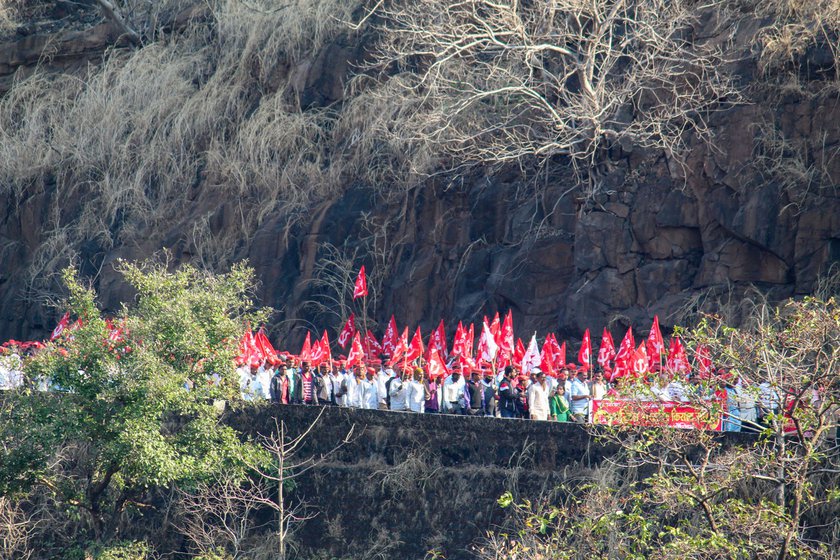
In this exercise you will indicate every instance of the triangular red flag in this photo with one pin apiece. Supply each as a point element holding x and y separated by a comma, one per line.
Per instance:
<point>585,353</point>
<point>626,349</point>
<point>606,353</point>
<point>677,360</point>
<point>346,334</point>
<point>415,349</point>
<point>62,324</point>
<point>325,347</point>
<point>547,356</point>
<point>391,338</point>
<point>518,352</point>
<point>306,350</point>
<point>560,358</point>
<point>655,342</point>
<point>437,368</point>
<point>437,340</point>
<point>316,354</point>
<point>506,343</point>
<point>372,347</point>
<point>703,359</point>
<point>360,289</point>
<point>640,361</point>
<point>496,329</point>
<point>356,354</point>
<point>401,348</point>
<point>459,340</point>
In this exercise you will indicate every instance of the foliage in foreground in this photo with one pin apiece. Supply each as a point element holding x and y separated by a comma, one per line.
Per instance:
<point>690,494</point>
<point>119,422</point>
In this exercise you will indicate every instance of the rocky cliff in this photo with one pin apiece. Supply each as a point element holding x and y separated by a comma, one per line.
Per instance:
<point>757,207</point>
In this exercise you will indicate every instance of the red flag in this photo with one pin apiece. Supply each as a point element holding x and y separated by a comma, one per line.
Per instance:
<point>325,346</point>
<point>265,346</point>
<point>438,340</point>
<point>415,349</point>
<point>585,353</point>
<point>655,342</point>
<point>401,348</point>
<point>506,344</point>
<point>640,361</point>
<point>518,352</point>
<point>391,338</point>
<point>560,358</point>
<point>626,349</point>
<point>360,289</point>
<point>470,342</point>
<point>372,347</point>
<point>547,356</point>
<point>607,351</point>
<point>346,334</point>
<point>316,353</point>
<point>704,362</point>
<point>677,359</point>
<point>436,366</point>
<point>59,328</point>
<point>356,354</point>
<point>459,340</point>
<point>306,350</point>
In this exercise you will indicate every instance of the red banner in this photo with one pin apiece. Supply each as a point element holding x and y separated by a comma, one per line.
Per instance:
<point>655,413</point>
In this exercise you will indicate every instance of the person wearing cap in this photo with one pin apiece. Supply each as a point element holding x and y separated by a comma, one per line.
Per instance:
<point>433,390</point>
<point>370,390</point>
<point>353,397</point>
<point>475,390</point>
<point>580,397</point>
<point>508,394</point>
<point>396,392</point>
<point>453,393</point>
<point>538,397</point>
<point>415,393</point>
<point>385,373</point>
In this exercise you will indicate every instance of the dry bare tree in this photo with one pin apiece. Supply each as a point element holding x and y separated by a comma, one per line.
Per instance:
<point>223,514</point>
<point>507,80</point>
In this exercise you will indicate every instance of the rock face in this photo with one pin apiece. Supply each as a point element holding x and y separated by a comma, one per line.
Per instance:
<point>407,484</point>
<point>664,238</point>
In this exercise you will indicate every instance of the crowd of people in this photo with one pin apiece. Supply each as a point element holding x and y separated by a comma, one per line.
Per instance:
<point>507,393</point>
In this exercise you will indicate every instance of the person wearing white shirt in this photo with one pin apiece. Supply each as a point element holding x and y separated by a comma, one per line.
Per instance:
<point>353,395</point>
<point>385,373</point>
<point>415,393</point>
<point>264,375</point>
<point>370,390</point>
<point>538,397</point>
<point>396,392</point>
<point>768,402</point>
<point>580,398</point>
<point>453,393</point>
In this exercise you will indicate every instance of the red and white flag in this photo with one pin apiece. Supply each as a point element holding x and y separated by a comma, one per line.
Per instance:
<point>325,347</point>
<point>607,351</point>
<point>531,359</point>
<point>437,340</point>
<point>59,328</point>
<point>560,355</point>
<point>487,347</point>
<point>677,360</point>
<point>547,356</point>
<point>372,346</point>
<point>703,359</point>
<point>506,343</point>
<point>347,333</point>
<point>585,353</point>
<point>655,345</point>
<point>640,361</point>
<point>316,354</point>
<point>356,354</point>
<point>496,329</point>
<point>459,341</point>
<point>436,366</point>
<point>401,348</point>
<point>626,348</point>
<point>391,338</point>
<point>360,289</point>
<point>518,353</point>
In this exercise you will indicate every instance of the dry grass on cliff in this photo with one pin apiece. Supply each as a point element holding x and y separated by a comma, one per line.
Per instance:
<point>203,118</point>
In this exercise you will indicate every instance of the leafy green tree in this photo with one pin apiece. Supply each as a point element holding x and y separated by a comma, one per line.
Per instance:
<point>135,404</point>
<point>672,493</point>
